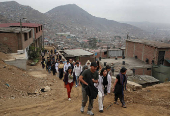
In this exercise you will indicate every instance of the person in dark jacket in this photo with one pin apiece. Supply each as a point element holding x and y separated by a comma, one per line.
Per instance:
<point>118,87</point>
<point>43,63</point>
<point>61,69</point>
<point>49,65</point>
<point>53,68</point>
<point>69,80</point>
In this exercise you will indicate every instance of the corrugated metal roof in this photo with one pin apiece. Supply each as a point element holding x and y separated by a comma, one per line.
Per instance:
<point>18,24</point>
<point>78,52</point>
<point>150,43</point>
<point>15,30</point>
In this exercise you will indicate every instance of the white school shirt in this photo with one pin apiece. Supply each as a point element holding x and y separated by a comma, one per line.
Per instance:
<point>66,66</point>
<point>56,66</point>
<point>100,86</point>
<point>77,70</point>
<point>70,80</point>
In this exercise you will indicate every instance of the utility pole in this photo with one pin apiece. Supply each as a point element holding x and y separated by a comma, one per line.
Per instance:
<point>43,35</point>
<point>21,33</point>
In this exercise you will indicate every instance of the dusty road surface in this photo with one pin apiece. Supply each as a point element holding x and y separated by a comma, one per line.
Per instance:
<point>16,100</point>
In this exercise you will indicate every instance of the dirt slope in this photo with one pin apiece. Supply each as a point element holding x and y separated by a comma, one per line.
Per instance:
<point>147,102</point>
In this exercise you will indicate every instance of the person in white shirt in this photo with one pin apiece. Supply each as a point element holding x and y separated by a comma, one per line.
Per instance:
<point>56,66</point>
<point>77,69</point>
<point>104,86</point>
<point>88,63</point>
<point>66,66</point>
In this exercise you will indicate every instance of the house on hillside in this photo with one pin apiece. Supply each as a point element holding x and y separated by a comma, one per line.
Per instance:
<point>148,51</point>
<point>37,32</point>
<point>79,54</point>
<point>11,37</point>
<point>151,52</point>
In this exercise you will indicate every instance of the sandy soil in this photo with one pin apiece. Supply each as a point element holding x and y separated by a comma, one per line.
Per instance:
<point>149,101</point>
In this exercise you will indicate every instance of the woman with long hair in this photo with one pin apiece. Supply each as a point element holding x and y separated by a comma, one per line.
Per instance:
<point>104,86</point>
<point>69,80</point>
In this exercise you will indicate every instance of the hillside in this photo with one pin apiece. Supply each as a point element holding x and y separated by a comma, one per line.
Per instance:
<point>78,20</point>
<point>3,19</point>
<point>157,30</point>
<point>14,11</point>
<point>70,18</point>
<point>15,100</point>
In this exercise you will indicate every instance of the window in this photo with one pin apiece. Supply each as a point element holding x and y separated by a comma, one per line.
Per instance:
<point>25,36</point>
<point>105,53</point>
<point>36,29</point>
<point>30,34</point>
<point>39,28</point>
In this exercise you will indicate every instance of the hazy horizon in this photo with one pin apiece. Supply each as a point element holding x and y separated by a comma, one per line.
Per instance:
<point>154,11</point>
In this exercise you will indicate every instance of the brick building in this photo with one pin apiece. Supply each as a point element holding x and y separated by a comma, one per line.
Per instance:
<point>37,31</point>
<point>100,53</point>
<point>148,51</point>
<point>11,37</point>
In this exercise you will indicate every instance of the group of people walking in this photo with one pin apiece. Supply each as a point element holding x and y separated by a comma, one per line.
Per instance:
<point>95,81</point>
<point>102,82</point>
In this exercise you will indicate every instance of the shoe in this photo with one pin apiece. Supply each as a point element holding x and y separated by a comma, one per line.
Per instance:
<point>69,99</point>
<point>124,106</point>
<point>116,103</point>
<point>101,111</point>
<point>90,113</point>
<point>76,86</point>
<point>82,109</point>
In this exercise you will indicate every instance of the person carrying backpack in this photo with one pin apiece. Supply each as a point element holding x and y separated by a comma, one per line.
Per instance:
<point>77,69</point>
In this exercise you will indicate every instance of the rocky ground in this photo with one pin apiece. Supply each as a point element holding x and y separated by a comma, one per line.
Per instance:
<point>21,96</point>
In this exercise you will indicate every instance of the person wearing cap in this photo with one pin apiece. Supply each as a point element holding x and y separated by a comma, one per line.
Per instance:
<point>69,80</point>
<point>77,69</point>
<point>119,85</point>
<point>66,65</point>
<point>86,78</point>
<point>61,69</point>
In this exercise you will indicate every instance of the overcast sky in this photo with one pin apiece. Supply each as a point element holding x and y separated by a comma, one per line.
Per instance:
<point>118,10</point>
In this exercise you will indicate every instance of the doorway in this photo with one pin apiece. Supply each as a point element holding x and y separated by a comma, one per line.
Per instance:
<point>161,57</point>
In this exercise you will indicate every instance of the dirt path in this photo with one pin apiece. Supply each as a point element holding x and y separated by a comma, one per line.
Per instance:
<point>148,102</point>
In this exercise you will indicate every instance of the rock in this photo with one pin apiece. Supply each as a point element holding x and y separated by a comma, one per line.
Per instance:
<point>49,84</point>
<point>46,89</point>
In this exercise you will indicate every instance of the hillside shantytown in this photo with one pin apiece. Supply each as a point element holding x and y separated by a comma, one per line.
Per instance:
<point>66,62</point>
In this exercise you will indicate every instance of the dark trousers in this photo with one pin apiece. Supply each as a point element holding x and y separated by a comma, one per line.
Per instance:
<point>61,73</point>
<point>121,97</point>
<point>54,71</point>
<point>43,66</point>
